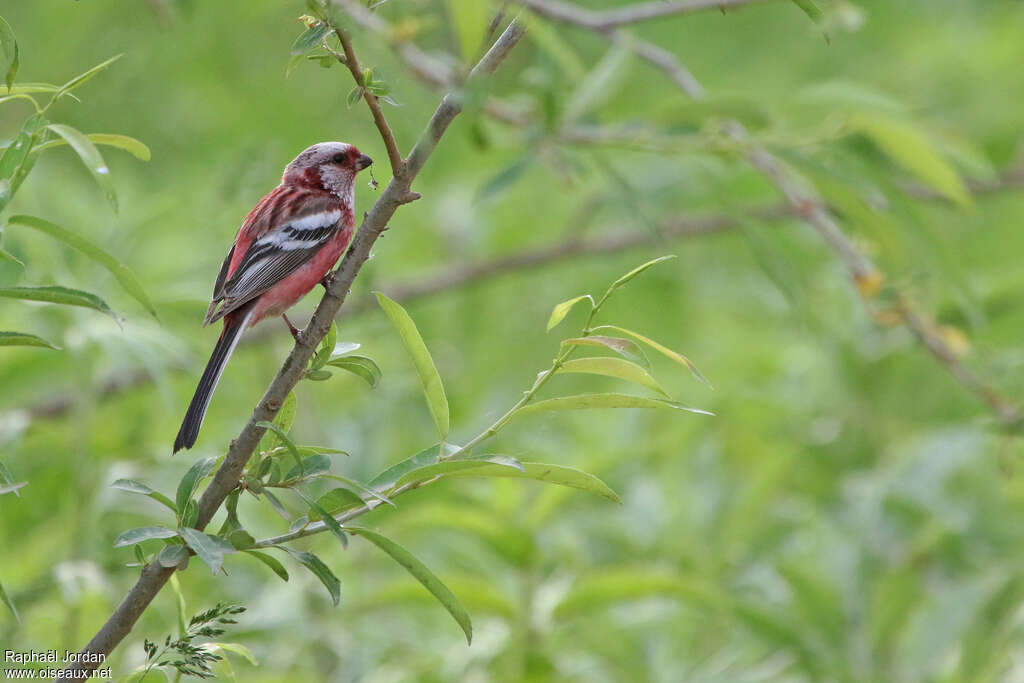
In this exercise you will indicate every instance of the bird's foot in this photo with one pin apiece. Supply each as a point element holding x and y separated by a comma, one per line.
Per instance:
<point>291,328</point>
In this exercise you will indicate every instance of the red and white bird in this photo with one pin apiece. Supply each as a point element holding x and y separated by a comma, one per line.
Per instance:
<point>286,245</point>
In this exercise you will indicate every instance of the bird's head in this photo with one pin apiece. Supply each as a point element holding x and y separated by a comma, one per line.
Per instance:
<point>331,166</point>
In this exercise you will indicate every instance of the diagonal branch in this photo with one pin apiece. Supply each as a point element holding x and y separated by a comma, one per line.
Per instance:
<point>629,14</point>
<point>398,191</point>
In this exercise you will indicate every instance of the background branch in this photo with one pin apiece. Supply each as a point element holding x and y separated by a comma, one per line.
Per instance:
<point>397,192</point>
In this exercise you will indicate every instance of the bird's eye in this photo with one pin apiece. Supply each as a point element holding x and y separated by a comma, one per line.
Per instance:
<point>339,158</point>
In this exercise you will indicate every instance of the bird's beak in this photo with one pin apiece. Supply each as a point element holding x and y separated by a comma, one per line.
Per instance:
<point>362,162</point>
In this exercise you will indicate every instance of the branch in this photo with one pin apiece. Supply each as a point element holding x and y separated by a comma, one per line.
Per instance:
<point>629,14</point>
<point>810,208</point>
<point>398,191</point>
<point>352,62</point>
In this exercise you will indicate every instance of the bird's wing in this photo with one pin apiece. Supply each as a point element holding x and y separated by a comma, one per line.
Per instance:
<point>275,255</point>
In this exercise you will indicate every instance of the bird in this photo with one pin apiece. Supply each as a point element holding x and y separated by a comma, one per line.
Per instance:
<point>285,246</point>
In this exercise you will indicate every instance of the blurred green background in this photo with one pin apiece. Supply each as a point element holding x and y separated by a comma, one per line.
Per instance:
<point>849,514</point>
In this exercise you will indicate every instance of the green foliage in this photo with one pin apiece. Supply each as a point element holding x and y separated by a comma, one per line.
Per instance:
<point>184,655</point>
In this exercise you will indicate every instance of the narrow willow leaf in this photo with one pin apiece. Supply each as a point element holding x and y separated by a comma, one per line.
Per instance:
<point>323,353</point>
<point>329,521</point>
<point>552,474</point>
<point>359,487</point>
<point>85,76</point>
<point>432,386</point>
<point>319,569</point>
<point>590,401</point>
<point>143,533</point>
<point>279,508</point>
<point>428,456</point>
<point>909,147</point>
<point>639,269</point>
<point>133,486</point>
<point>9,53</point>
<point>559,312</point>
<point>210,549</point>
<point>448,466</point>
<point>310,38</point>
<point>613,367</point>
<point>234,648</point>
<point>309,466</point>
<point>423,575</point>
<point>24,339</point>
<point>600,83</point>
<point>190,482</point>
<point>125,277</point>
<point>136,148</point>
<point>8,256</point>
<point>813,13</point>
<point>172,556</point>
<point>336,500</point>
<point>283,419</point>
<point>503,179</point>
<point>271,562</point>
<point>283,437</point>
<point>58,295</point>
<point>361,366</point>
<point>667,352</point>
<point>90,156</point>
<point>552,41</point>
<point>6,599</point>
<point>624,347</point>
<point>469,21</point>
<point>16,162</point>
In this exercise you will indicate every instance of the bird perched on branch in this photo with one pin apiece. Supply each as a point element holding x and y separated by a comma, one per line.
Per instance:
<point>286,245</point>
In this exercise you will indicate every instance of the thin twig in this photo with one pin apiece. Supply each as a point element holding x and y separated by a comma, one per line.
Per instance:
<point>226,479</point>
<point>352,62</point>
<point>628,14</point>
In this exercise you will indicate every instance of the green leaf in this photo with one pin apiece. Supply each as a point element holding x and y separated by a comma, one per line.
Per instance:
<point>16,162</point>
<point>143,533</point>
<point>234,648</point>
<point>90,156</point>
<point>9,53</point>
<point>7,601</point>
<point>423,575</point>
<point>24,339</point>
<point>310,38</point>
<point>210,549</point>
<point>288,444</point>
<point>600,83</point>
<point>559,312</point>
<point>278,507</point>
<point>814,13</point>
<point>58,295</point>
<point>361,366</point>
<point>911,149</point>
<point>359,487</point>
<point>327,519</point>
<point>172,556</point>
<point>428,456</point>
<point>283,420</point>
<point>503,179</point>
<point>271,562</point>
<point>552,474</point>
<point>190,482</point>
<point>552,41</point>
<point>83,77</point>
<point>124,142</point>
<point>595,592</point>
<point>432,386</point>
<point>354,95</point>
<point>667,352</point>
<point>125,277</point>
<point>326,348</point>
<point>336,500</point>
<point>613,367</point>
<point>639,269</point>
<point>133,486</point>
<point>319,569</point>
<point>449,466</point>
<point>590,401</point>
<point>24,88</point>
<point>469,20</point>
<point>623,347</point>
<point>309,466</point>
<point>8,256</point>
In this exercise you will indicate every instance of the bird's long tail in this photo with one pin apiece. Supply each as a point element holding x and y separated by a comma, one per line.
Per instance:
<point>234,325</point>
